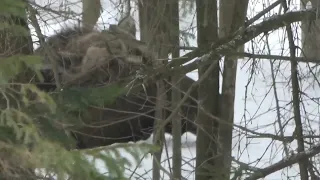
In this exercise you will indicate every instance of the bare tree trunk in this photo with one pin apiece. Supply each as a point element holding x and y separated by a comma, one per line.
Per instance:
<point>155,27</point>
<point>91,13</point>
<point>160,116</point>
<point>207,147</point>
<point>232,16</point>
<point>310,37</point>
<point>303,164</point>
<point>176,95</point>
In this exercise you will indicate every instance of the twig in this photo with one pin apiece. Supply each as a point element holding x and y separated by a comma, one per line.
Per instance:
<point>263,12</point>
<point>303,163</point>
<point>285,163</point>
<point>274,86</point>
<point>262,56</point>
<point>224,47</point>
<point>187,94</point>
<point>50,54</point>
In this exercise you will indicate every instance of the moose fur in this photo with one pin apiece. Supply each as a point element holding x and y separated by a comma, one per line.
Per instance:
<point>132,117</point>
<point>115,54</point>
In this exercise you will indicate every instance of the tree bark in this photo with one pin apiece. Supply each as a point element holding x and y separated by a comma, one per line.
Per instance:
<point>310,37</point>
<point>208,93</point>
<point>176,95</point>
<point>232,16</point>
<point>303,164</point>
<point>155,27</point>
<point>90,13</point>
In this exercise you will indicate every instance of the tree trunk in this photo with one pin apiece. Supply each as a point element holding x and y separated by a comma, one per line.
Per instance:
<point>91,13</point>
<point>155,27</point>
<point>160,116</point>
<point>176,95</point>
<point>208,94</point>
<point>232,16</point>
<point>310,37</point>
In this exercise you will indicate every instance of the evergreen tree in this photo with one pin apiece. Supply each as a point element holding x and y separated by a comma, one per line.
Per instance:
<point>33,137</point>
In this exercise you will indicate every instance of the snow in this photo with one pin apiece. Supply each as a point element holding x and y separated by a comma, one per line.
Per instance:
<point>145,168</point>
<point>254,104</point>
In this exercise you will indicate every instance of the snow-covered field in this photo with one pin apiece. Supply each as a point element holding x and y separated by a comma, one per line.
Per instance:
<point>254,104</point>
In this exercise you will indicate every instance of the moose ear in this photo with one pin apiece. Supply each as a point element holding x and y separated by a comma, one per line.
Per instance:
<point>127,24</point>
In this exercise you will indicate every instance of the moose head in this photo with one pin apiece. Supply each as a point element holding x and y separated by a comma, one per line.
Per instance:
<point>81,50</point>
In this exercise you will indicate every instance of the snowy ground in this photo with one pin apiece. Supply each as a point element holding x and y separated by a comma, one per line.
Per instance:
<point>144,169</point>
<point>254,104</point>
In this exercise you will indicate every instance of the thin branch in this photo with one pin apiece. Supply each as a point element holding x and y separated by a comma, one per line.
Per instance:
<point>274,85</point>
<point>280,138</point>
<point>276,57</point>
<point>51,55</point>
<point>242,166</point>
<point>303,163</point>
<point>286,162</point>
<point>263,12</point>
<point>224,46</point>
<point>263,56</point>
<point>64,14</point>
<point>187,94</point>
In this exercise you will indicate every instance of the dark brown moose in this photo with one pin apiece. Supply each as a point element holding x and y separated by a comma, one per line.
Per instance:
<point>113,54</point>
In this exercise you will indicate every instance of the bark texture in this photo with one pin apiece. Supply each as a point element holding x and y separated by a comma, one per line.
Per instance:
<point>176,95</point>
<point>208,94</point>
<point>155,27</point>
<point>310,37</point>
<point>232,17</point>
<point>91,13</point>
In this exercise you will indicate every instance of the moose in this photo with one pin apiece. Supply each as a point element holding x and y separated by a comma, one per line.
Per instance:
<point>89,57</point>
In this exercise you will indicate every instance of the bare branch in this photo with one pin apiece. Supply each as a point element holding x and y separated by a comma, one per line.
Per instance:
<point>285,163</point>
<point>263,56</point>
<point>52,55</point>
<point>224,46</point>
<point>303,164</point>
